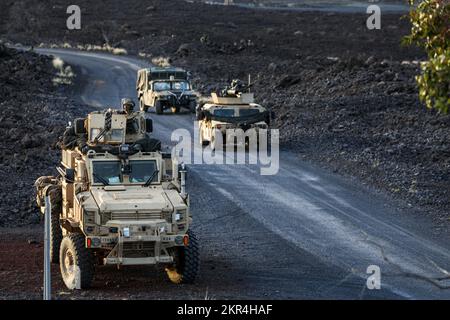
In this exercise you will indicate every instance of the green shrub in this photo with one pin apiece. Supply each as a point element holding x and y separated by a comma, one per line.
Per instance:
<point>430,30</point>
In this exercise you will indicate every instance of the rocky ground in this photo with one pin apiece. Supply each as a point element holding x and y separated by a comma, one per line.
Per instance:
<point>34,111</point>
<point>344,96</point>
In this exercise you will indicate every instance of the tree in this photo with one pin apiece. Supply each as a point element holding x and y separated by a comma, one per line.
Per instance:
<point>430,30</point>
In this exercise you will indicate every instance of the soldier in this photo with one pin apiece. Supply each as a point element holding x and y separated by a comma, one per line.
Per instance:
<point>128,105</point>
<point>128,108</point>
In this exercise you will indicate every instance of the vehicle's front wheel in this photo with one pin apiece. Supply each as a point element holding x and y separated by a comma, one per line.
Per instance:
<point>76,262</point>
<point>192,106</point>
<point>158,107</point>
<point>186,262</point>
<point>202,141</point>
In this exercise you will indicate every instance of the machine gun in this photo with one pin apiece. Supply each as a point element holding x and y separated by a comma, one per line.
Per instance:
<point>235,88</point>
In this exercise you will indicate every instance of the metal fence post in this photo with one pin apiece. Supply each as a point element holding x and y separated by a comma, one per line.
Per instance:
<point>47,274</point>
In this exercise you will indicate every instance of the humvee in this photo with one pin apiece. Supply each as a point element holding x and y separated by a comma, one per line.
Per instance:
<point>118,200</point>
<point>233,109</point>
<point>164,88</point>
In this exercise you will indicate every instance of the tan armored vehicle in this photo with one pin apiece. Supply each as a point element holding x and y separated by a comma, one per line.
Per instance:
<point>233,109</point>
<point>118,200</point>
<point>165,88</point>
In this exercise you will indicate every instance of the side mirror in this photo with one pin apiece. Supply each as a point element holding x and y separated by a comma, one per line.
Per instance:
<point>148,125</point>
<point>70,175</point>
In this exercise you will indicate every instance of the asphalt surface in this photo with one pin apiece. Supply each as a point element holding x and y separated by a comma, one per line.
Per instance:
<point>322,6</point>
<point>302,233</point>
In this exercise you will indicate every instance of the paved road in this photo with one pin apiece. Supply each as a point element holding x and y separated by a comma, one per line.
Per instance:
<point>321,6</point>
<point>302,233</point>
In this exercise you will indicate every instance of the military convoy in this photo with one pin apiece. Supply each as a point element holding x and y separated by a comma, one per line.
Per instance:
<point>118,200</point>
<point>233,109</point>
<point>165,88</point>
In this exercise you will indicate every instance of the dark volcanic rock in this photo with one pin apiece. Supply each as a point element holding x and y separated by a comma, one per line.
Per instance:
<point>31,123</point>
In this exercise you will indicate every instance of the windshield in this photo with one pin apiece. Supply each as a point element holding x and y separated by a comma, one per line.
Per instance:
<point>169,85</point>
<point>224,112</point>
<point>161,86</point>
<point>248,112</point>
<point>180,85</point>
<point>109,172</point>
<point>106,172</point>
<point>142,170</point>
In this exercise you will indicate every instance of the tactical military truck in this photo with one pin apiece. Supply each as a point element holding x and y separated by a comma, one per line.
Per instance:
<point>232,109</point>
<point>165,88</point>
<point>118,200</point>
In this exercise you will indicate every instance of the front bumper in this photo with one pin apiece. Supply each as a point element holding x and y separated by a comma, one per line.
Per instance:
<point>176,101</point>
<point>139,242</point>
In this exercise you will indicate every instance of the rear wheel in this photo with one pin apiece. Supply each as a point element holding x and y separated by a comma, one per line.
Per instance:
<point>187,262</point>
<point>76,262</point>
<point>158,107</point>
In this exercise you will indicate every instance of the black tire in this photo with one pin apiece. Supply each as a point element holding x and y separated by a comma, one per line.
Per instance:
<point>199,114</point>
<point>55,227</point>
<point>76,262</point>
<point>192,106</point>
<point>187,262</point>
<point>158,107</point>
<point>203,143</point>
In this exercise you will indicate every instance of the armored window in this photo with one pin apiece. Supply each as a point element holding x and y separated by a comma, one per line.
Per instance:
<point>142,170</point>
<point>107,171</point>
<point>180,85</point>
<point>248,112</point>
<point>161,86</point>
<point>224,112</point>
<point>117,135</point>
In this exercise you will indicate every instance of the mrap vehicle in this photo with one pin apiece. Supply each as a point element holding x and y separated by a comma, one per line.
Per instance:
<point>165,88</point>
<point>118,200</point>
